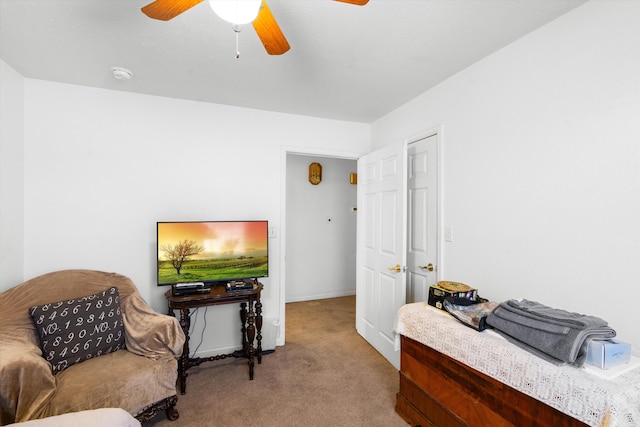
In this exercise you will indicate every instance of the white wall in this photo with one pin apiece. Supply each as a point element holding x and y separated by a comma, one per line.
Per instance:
<point>321,229</point>
<point>11,177</point>
<point>541,165</point>
<point>101,167</point>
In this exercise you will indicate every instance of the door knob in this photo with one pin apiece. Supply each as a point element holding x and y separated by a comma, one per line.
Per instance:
<point>428,267</point>
<point>396,268</point>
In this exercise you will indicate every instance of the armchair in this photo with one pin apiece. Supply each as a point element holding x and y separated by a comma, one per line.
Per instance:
<point>140,379</point>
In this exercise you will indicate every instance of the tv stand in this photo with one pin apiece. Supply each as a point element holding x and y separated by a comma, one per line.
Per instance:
<point>250,316</point>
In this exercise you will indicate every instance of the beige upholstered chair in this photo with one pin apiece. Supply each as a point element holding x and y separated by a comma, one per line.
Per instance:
<point>140,378</point>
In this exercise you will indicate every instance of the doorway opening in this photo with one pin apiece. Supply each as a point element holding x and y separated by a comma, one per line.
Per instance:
<point>318,229</point>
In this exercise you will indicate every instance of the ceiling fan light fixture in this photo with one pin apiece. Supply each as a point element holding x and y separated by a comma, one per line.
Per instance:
<point>237,12</point>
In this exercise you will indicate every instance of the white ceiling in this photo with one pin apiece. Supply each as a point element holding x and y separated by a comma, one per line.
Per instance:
<point>346,62</point>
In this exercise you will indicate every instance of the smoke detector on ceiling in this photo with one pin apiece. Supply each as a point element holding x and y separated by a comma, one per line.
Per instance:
<point>121,73</point>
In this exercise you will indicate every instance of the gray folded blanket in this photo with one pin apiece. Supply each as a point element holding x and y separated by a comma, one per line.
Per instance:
<point>554,334</point>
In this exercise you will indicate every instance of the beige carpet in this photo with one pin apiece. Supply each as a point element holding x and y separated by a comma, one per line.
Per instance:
<point>325,375</point>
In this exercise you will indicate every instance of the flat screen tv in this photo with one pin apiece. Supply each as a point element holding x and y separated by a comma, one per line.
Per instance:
<point>212,251</point>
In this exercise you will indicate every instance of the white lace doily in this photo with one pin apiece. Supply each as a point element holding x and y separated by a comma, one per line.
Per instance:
<point>591,399</point>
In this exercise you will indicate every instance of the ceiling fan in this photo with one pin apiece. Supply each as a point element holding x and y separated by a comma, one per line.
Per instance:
<point>264,24</point>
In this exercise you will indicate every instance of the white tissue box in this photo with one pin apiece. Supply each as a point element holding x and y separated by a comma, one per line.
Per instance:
<point>607,354</point>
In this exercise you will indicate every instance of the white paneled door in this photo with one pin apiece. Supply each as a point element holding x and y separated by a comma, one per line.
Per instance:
<point>422,222</point>
<point>381,247</point>
<point>397,236</point>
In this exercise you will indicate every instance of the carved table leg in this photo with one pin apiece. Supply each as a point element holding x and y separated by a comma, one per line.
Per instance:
<point>243,319</point>
<point>183,363</point>
<point>251,334</point>
<point>259,327</point>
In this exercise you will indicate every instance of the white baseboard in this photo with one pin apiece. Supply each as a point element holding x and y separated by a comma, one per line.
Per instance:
<point>321,296</point>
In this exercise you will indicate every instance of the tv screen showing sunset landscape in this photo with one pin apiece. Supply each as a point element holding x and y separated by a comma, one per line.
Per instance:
<point>212,251</point>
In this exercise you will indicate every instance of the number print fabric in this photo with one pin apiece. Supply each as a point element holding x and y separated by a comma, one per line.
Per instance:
<point>76,330</point>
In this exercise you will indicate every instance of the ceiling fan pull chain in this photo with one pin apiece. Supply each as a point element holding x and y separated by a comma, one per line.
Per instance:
<point>236,28</point>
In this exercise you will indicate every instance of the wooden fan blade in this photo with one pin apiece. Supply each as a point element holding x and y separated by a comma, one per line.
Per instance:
<point>356,2</point>
<point>165,10</point>
<point>269,32</point>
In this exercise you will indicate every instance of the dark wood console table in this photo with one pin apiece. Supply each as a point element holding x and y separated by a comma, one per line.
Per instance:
<point>250,315</point>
